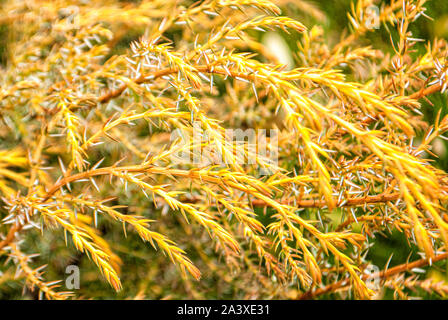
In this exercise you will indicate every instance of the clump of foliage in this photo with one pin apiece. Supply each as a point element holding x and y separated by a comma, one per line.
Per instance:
<point>92,92</point>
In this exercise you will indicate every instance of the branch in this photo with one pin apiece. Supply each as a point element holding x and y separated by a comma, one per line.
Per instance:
<point>307,203</point>
<point>10,236</point>
<point>351,202</point>
<point>154,75</point>
<point>426,92</point>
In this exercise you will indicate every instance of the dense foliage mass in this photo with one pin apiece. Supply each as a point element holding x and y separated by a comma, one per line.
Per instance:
<point>98,99</point>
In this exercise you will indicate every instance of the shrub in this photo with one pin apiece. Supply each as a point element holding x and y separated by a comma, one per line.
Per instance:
<point>116,120</point>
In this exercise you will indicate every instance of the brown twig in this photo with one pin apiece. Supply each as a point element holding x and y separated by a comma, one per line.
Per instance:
<point>425,92</point>
<point>154,75</point>
<point>307,203</point>
<point>352,202</point>
<point>380,198</point>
